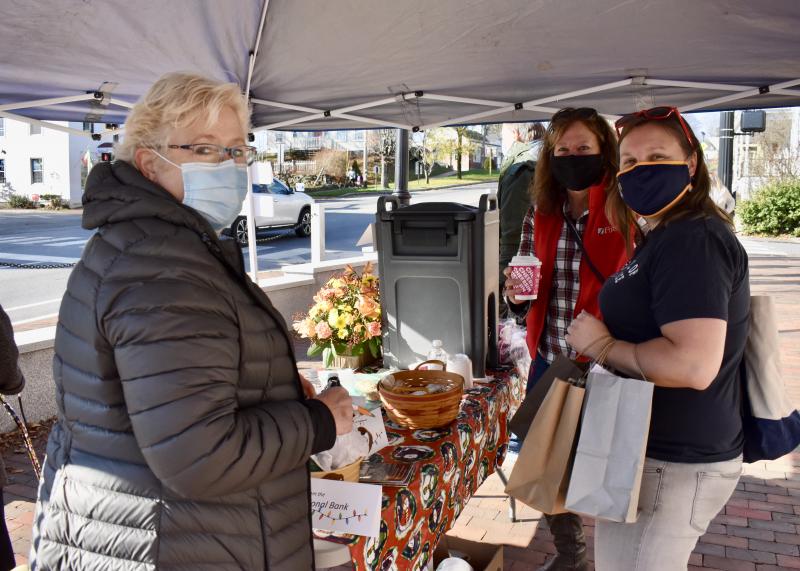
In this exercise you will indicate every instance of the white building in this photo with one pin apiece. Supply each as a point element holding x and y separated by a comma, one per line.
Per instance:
<point>38,161</point>
<point>766,157</point>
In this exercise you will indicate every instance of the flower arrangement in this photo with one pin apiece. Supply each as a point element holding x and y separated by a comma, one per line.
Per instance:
<point>345,319</point>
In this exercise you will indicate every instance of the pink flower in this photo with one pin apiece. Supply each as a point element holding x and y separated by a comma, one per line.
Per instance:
<point>373,329</point>
<point>323,330</point>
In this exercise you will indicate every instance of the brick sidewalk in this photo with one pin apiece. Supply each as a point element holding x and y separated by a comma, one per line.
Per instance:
<point>760,527</point>
<point>758,531</point>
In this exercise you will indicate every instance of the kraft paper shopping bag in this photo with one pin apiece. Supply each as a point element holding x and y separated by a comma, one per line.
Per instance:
<point>562,368</point>
<point>541,474</point>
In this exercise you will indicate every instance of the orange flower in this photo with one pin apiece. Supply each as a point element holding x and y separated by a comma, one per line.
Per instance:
<point>367,307</point>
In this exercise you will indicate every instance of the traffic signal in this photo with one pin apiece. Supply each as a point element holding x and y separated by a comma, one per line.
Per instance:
<point>105,157</point>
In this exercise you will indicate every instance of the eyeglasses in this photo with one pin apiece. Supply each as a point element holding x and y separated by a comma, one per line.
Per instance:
<point>657,114</point>
<point>210,153</point>
<point>574,113</point>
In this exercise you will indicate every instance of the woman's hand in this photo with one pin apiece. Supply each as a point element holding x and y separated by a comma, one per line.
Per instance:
<point>308,389</point>
<point>338,400</point>
<point>584,333</point>
<point>511,288</point>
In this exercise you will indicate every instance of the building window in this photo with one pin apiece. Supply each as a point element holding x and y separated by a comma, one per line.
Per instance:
<point>36,171</point>
<point>2,127</point>
<point>35,129</point>
<point>2,171</point>
<point>88,127</point>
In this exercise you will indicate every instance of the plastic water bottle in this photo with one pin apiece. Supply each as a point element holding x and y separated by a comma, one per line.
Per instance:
<point>437,353</point>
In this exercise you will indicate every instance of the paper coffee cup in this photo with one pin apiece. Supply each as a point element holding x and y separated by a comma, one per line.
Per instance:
<point>527,269</point>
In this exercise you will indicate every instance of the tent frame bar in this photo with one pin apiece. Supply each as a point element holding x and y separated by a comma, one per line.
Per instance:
<point>104,98</point>
<point>498,107</point>
<point>342,113</point>
<point>44,124</point>
<point>502,107</point>
<point>773,89</point>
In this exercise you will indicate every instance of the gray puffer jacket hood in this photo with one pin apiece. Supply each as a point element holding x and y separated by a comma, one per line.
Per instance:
<point>182,440</point>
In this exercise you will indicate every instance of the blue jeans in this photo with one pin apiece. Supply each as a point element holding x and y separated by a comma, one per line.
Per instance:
<point>538,367</point>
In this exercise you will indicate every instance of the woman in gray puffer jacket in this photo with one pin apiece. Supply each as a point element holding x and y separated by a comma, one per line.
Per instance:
<point>183,434</point>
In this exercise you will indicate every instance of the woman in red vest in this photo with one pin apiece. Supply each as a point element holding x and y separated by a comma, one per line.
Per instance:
<point>566,228</point>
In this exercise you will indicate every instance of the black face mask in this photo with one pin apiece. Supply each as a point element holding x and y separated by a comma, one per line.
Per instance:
<point>576,172</point>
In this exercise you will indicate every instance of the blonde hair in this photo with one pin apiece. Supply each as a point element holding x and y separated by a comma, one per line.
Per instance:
<point>176,100</point>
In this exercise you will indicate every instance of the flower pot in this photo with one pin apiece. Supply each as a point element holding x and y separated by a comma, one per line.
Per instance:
<point>349,361</point>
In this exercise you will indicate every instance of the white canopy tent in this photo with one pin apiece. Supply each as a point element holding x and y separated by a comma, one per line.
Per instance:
<point>416,64</point>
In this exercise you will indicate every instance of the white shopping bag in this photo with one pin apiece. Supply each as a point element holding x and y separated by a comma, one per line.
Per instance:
<point>607,472</point>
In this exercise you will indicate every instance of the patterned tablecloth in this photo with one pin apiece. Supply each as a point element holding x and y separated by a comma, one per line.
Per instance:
<point>449,465</point>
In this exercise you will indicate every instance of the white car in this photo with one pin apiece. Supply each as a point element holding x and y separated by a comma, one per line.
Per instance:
<point>277,206</point>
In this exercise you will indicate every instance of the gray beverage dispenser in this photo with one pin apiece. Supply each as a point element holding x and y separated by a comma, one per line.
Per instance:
<point>438,279</point>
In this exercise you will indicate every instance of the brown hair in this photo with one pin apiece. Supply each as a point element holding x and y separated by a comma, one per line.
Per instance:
<point>546,193</point>
<point>696,203</point>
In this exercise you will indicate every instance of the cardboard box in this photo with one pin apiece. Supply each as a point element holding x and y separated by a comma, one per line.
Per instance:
<point>482,556</point>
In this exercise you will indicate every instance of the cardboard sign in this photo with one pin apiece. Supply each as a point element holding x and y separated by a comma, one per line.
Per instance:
<point>346,507</point>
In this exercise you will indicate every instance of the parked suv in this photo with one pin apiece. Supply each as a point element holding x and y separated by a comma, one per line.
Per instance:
<point>277,206</point>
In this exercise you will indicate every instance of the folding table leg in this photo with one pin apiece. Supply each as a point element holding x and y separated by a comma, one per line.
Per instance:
<point>512,510</point>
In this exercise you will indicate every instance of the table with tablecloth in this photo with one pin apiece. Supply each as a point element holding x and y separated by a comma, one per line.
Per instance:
<point>449,464</point>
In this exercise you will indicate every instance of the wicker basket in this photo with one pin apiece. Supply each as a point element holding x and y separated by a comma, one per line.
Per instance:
<point>421,411</point>
<point>349,473</point>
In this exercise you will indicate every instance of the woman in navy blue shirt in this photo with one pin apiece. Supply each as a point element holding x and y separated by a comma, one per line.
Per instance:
<point>677,316</point>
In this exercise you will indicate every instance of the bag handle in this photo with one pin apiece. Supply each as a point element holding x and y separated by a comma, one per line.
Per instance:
<point>600,359</point>
<point>579,240</point>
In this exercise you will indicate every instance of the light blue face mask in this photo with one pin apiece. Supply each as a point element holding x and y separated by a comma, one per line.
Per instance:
<point>216,191</point>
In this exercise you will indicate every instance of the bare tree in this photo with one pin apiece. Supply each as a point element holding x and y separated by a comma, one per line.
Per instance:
<point>383,142</point>
<point>434,146</point>
<point>773,156</point>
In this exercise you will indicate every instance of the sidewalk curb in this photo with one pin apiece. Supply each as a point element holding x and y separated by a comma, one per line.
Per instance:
<point>391,192</point>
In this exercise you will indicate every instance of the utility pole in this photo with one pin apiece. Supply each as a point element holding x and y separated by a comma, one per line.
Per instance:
<point>365,169</point>
<point>401,168</point>
<point>725,167</point>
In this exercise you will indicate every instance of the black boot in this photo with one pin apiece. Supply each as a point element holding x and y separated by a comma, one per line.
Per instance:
<point>567,530</point>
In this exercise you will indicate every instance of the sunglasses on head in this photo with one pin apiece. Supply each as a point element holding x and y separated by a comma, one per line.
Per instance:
<point>574,113</point>
<point>656,114</point>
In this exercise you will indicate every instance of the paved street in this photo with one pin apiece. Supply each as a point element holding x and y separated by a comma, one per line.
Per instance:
<point>32,297</point>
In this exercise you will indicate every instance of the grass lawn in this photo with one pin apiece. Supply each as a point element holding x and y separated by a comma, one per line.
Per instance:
<point>471,176</point>
<point>467,177</point>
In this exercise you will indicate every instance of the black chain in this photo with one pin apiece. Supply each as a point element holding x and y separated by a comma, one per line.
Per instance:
<point>277,237</point>
<point>41,266</point>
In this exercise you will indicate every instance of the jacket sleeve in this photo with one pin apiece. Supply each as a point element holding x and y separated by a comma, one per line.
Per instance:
<point>11,379</point>
<point>526,246</point>
<point>525,249</point>
<point>177,350</point>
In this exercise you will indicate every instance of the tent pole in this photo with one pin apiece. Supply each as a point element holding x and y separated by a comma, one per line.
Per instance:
<point>725,165</point>
<point>252,246</point>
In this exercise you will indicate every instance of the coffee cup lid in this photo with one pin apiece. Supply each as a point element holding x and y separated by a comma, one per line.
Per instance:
<point>524,261</point>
